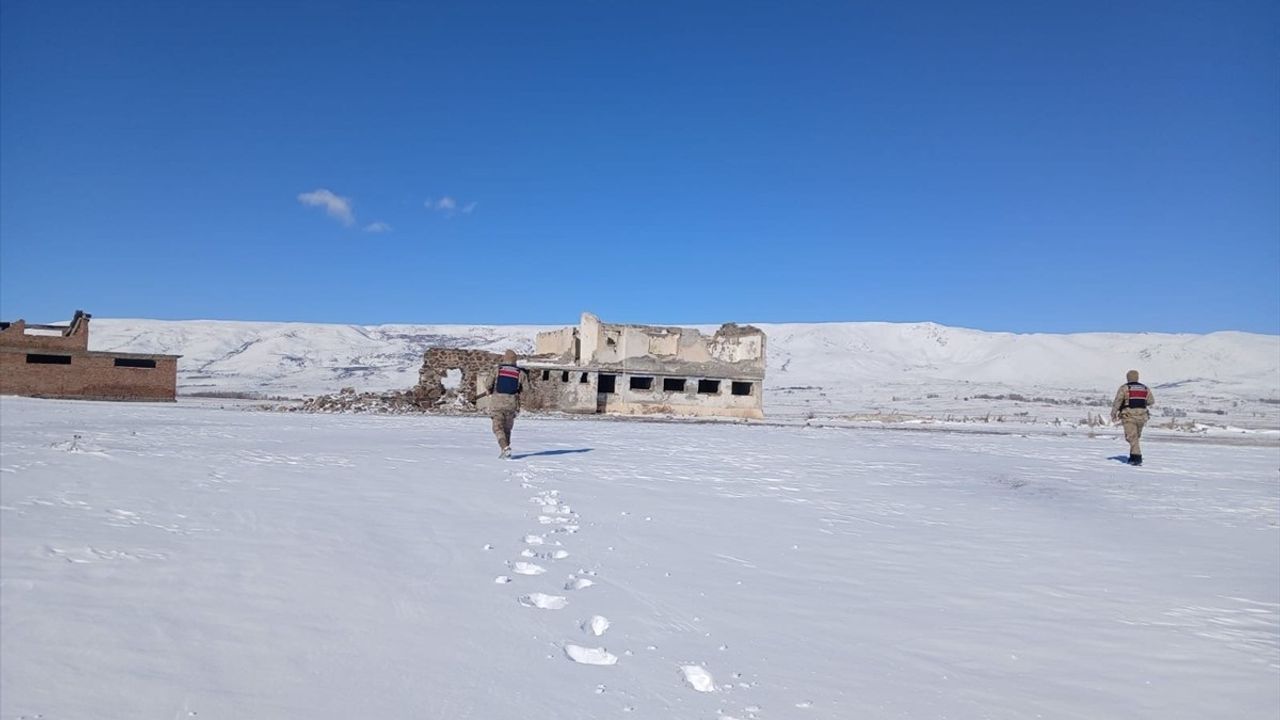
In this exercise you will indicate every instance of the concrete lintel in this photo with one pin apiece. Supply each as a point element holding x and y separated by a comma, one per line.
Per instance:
<point>34,350</point>
<point>641,371</point>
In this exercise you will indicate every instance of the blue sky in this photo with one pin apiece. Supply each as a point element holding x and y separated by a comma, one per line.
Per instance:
<point>1051,167</point>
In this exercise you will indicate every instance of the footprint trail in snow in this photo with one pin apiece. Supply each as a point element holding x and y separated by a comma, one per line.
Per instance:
<point>589,656</point>
<point>544,601</point>
<point>521,567</point>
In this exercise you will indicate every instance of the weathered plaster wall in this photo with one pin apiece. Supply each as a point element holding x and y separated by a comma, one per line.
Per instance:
<point>682,405</point>
<point>734,351</point>
<point>588,337</point>
<point>739,345</point>
<point>664,345</point>
<point>557,343</point>
<point>723,403</point>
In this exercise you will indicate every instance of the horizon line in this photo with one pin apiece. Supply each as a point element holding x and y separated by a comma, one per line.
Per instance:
<point>692,325</point>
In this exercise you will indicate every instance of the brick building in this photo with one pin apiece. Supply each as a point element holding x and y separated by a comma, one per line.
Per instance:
<point>55,361</point>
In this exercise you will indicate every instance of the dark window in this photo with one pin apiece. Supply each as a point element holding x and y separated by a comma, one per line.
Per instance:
<point>709,387</point>
<point>606,383</point>
<point>564,376</point>
<point>641,383</point>
<point>135,362</point>
<point>673,384</point>
<point>586,377</point>
<point>741,388</point>
<point>48,359</point>
<point>546,374</point>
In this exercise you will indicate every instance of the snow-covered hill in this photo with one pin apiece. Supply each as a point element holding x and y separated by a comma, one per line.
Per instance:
<point>294,359</point>
<point>826,369</point>
<point>895,352</point>
<point>927,369</point>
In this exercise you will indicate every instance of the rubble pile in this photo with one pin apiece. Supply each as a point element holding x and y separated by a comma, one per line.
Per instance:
<point>348,400</point>
<point>401,402</point>
<point>447,384</point>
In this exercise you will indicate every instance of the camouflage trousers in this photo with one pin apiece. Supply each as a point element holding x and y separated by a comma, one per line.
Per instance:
<point>1133,420</point>
<point>503,423</point>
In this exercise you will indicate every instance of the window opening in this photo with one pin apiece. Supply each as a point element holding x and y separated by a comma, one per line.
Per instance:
<point>709,387</point>
<point>741,388</point>
<point>38,359</point>
<point>673,384</point>
<point>135,362</point>
<point>607,383</point>
<point>641,383</point>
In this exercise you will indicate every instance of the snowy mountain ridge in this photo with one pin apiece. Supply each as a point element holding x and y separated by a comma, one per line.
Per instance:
<point>862,359</point>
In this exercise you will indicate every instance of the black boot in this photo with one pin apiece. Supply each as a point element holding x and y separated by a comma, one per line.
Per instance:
<point>1135,459</point>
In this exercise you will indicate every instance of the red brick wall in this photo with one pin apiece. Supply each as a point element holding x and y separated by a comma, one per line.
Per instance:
<point>90,376</point>
<point>14,336</point>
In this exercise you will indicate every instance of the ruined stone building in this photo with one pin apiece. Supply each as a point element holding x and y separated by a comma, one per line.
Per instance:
<point>622,369</point>
<point>55,361</point>
<point>642,369</point>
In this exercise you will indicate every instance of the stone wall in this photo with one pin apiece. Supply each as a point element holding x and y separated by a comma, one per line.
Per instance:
<point>564,389</point>
<point>476,365</point>
<point>477,368</point>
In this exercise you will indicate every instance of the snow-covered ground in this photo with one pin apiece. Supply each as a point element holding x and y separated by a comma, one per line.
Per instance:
<point>170,561</point>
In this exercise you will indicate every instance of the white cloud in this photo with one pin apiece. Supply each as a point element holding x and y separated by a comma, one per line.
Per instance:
<point>377,227</point>
<point>338,208</point>
<point>449,206</point>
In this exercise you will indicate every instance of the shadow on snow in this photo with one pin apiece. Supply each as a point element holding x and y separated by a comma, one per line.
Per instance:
<point>543,453</point>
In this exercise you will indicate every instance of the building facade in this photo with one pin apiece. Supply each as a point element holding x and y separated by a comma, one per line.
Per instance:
<point>600,367</point>
<point>55,361</point>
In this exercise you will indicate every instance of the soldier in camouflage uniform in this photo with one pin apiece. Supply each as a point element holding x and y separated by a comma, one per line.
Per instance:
<point>1130,409</point>
<point>504,392</point>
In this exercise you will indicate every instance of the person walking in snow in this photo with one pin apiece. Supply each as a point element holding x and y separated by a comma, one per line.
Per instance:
<point>504,403</point>
<point>1130,408</point>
